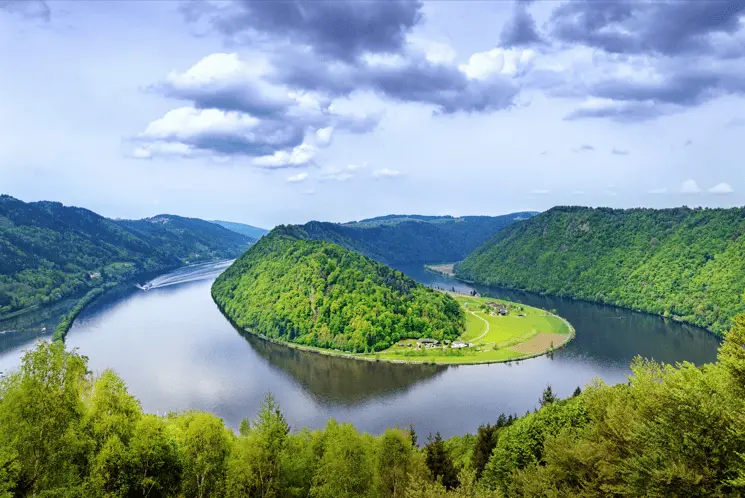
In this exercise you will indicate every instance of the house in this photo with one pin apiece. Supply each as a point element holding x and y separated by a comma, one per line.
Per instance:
<point>497,307</point>
<point>428,343</point>
<point>446,342</point>
<point>94,275</point>
<point>460,344</point>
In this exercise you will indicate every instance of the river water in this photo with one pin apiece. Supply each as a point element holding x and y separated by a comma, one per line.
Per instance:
<point>176,352</point>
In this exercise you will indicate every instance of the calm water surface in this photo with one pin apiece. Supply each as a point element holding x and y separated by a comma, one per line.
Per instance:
<point>176,352</point>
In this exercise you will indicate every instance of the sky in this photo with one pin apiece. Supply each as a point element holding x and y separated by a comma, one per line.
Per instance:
<point>287,111</point>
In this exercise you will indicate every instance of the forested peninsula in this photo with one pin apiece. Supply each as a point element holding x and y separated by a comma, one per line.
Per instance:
<point>319,294</point>
<point>684,263</point>
<point>407,239</point>
<point>49,251</point>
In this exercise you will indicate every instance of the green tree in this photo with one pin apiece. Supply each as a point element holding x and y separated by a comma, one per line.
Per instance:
<point>439,462</point>
<point>255,465</point>
<point>41,412</point>
<point>345,469</point>
<point>393,463</point>
<point>204,444</point>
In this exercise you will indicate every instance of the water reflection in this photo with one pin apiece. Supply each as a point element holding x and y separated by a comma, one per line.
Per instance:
<point>338,380</point>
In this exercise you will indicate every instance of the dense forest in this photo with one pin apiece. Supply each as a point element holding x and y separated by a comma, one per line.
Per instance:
<point>688,264</point>
<point>49,251</point>
<point>242,228</point>
<point>320,294</point>
<point>402,239</point>
<point>671,431</point>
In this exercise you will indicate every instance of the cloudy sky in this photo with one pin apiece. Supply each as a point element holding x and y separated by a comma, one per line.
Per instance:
<point>282,112</point>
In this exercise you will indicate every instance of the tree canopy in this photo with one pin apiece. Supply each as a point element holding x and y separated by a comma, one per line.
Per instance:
<point>49,251</point>
<point>321,294</point>
<point>688,264</point>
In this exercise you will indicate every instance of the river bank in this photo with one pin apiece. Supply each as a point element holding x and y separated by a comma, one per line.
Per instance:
<point>504,352</point>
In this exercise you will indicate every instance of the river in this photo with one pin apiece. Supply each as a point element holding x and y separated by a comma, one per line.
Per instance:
<point>176,352</point>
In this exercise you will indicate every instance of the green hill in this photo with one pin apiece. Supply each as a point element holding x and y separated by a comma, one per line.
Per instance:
<point>49,251</point>
<point>402,239</point>
<point>320,294</point>
<point>684,263</point>
<point>242,228</point>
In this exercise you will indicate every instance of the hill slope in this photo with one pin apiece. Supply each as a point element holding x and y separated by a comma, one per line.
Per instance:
<point>320,294</point>
<point>401,239</point>
<point>248,230</point>
<point>49,251</point>
<point>684,263</point>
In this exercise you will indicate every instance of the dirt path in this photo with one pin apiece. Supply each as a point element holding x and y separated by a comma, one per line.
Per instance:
<point>485,332</point>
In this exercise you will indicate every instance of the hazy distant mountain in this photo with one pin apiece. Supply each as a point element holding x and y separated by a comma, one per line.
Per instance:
<point>251,231</point>
<point>402,239</point>
<point>49,251</point>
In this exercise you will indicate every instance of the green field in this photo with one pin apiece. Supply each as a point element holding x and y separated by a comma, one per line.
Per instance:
<point>524,332</point>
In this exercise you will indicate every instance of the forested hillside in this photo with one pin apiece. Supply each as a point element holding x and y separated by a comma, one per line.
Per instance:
<point>242,228</point>
<point>66,433</point>
<point>401,239</point>
<point>321,294</point>
<point>683,263</point>
<point>49,251</point>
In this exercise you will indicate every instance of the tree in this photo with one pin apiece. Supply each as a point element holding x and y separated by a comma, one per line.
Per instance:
<point>439,462</point>
<point>548,396</point>
<point>255,465</point>
<point>204,444</point>
<point>344,470</point>
<point>41,412</point>
<point>576,392</point>
<point>486,440</point>
<point>394,456</point>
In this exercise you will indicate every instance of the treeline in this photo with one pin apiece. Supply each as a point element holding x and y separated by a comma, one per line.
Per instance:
<point>671,431</point>
<point>687,264</point>
<point>49,252</point>
<point>323,295</point>
<point>402,239</point>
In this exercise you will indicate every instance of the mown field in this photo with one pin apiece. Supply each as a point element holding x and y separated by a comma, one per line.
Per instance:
<point>524,332</point>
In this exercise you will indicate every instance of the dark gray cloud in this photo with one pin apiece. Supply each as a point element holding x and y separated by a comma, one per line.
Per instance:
<point>412,79</point>
<point>520,29</point>
<point>32,9</point>
<point>619,152</point>
<point>648,26</point>
<point>341,29</point>
<point>627,112</point>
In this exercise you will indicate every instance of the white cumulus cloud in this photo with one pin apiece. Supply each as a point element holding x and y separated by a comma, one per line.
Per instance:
<point>386,173</point>
<point>300,177</point>
<point>721,189</point>
<point>690,187</point>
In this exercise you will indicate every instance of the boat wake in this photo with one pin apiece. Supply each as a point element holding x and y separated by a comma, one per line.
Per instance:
<point>187,274</point>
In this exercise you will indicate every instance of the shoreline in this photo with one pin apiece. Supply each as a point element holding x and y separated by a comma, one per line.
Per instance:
<point>573,298</point>
<point>361,357</point>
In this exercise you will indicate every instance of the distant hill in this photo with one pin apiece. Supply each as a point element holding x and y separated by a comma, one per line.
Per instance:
<point>402,239</point>
<point>251,231</point>
<point>49,251</point>
<point>684,263</point>
<point>321,294</point>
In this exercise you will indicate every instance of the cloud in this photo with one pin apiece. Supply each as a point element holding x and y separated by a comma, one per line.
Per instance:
<point>300,177</point>
<point>386,173</point>
<point>337,47</point>
<point>30,9</point>
<point>735,123</point>
<point>642,59</point>
<point>584,148</point>
<point>520,29</point>
<point>647,26</point>
<point>619,152</point>
<point>341,174</point>
<point>340,29</point>
<point>309,191</point>
<point>721,189</point>
<point>688,142</point>
<point>690,187</point>
<point>539,192</point>
<point>236,111</point>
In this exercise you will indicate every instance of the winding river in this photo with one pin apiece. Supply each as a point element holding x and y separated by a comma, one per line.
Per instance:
<point>176,352</point>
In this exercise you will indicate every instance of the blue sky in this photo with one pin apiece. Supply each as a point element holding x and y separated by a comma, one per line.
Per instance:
<point>282,112</point>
